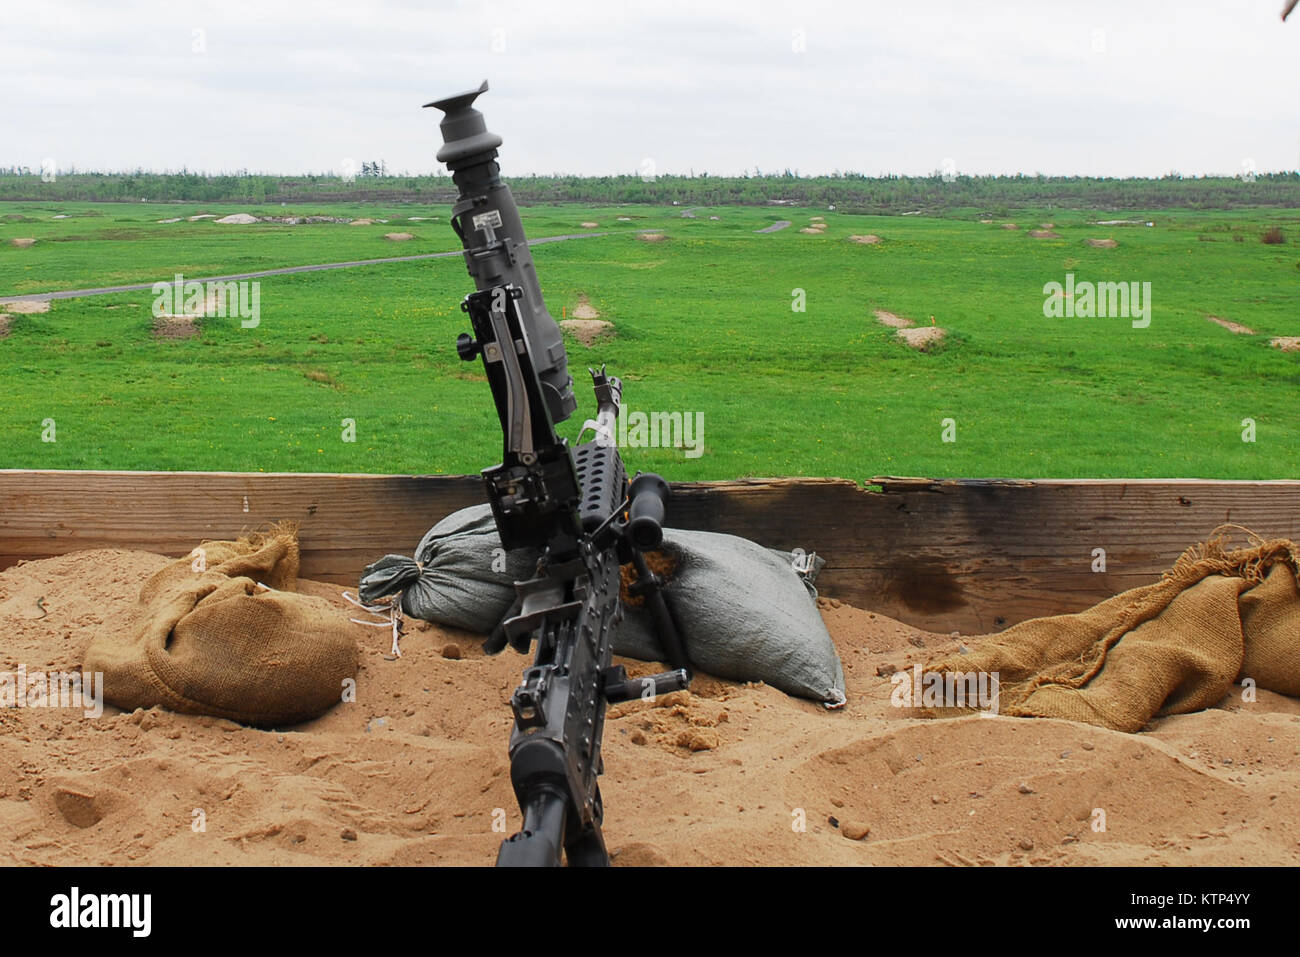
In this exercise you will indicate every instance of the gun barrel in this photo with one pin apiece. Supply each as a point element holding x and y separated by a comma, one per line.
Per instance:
<point>486,219</point>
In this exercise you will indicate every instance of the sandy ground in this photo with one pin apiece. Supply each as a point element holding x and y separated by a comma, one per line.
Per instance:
<point>919,337</point>
<point>1234,327</point>
<point>412,772</point>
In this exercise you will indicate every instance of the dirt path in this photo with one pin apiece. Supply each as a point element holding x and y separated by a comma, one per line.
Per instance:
<point>287,270</point>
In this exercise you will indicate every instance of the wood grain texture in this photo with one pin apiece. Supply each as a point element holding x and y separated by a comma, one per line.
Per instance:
<point>952,555</point>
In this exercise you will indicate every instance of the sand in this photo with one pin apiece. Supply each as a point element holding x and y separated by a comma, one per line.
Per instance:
<point>871,239</point>
<point>412,771</point>
<point>587,331</point>
<point>584,309</point>
<point>1043,234</point>
<point>1235,327</point>
<point>651,237</point>
<point>27,306</point>
<point>922,337</point>
<point>1285,343</point>
<point>590,225</point>
<point>891,320</point>
<point>1102,243</point>
<point>23,242</point>
<point>237,219</point>
<point>398,237</point>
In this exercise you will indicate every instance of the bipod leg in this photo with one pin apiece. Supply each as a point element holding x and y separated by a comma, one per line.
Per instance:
<point>650,585</point>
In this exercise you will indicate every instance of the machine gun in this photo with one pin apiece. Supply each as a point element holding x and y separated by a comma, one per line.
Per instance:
<point>575,505</point>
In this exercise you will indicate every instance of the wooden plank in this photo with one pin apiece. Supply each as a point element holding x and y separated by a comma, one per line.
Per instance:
<point>346,521</point>
<point>968,555</point>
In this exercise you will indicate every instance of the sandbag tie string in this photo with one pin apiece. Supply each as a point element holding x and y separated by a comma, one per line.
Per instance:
<point>393,620</point>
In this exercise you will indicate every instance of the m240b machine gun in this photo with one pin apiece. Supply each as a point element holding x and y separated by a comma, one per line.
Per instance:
<point>574,505</point>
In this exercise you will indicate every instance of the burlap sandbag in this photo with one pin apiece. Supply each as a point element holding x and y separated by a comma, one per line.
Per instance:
<point>1171,647</point>
<point>212,642</point>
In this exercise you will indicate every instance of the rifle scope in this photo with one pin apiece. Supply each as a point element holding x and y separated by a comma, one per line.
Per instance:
<point>496,250</point>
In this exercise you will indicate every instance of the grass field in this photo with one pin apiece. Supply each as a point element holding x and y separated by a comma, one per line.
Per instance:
<point>704,324</point>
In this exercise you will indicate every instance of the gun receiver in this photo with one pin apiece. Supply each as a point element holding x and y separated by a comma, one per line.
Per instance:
<point>575,505</point>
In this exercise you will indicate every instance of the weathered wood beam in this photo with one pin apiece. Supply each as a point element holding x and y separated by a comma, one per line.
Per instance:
<point>952,555</point>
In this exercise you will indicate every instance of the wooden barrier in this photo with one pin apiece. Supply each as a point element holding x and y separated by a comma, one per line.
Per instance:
<point>965,555</point>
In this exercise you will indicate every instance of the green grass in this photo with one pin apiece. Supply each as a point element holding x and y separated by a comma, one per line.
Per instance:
<point>704,324</point>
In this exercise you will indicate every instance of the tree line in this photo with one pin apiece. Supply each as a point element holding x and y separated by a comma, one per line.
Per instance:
<point>850,192</point>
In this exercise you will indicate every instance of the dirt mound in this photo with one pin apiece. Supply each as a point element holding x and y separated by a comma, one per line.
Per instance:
<point>414,771</point>
<point>891,320</point>
<point>165,221</point>
<point>651,237</point>
<point>1010,226</point>
<point>171,326</point>
<point>587,331</point>
<point>584,309</point>
<point>27,307</point>
<point>986,222</point>
<point>362,222</point>
<point>1231,326</point>
<point>22,242</point>
<point>809,231</point>
<point>237,219</point>
<point>1047,225</point>
<point>1102,243</point>
<point>1043,234</point>
<point>922,338</point>
<point>871,239</point>
<point>589,225</point>
<point>398,237</point>
<point>1285,343</point>
<point>195,219</point>
<point>5,322</point>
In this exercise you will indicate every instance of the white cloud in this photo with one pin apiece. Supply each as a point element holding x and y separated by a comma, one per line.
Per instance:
<point>1107,87</point>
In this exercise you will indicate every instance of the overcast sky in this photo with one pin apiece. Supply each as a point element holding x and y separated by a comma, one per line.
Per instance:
<point>1108,87</point>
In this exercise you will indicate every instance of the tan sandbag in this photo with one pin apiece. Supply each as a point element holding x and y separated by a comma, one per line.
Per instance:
<point>1171,647</point>
<point>204,638</point>
<point>1271,621</point>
